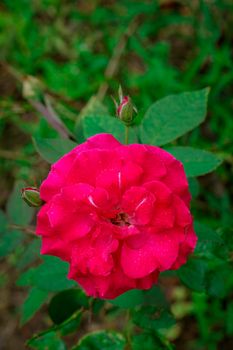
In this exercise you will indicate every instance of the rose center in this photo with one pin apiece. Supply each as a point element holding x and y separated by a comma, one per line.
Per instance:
<point>121,219</point>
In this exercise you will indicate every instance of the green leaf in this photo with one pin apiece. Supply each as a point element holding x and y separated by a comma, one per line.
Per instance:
<point>102,340</point>
<point>9,241</point>
<point>53,149</point>
<point>32,304</point>
<point>136,297</point>
<point>18,212</point>
<point>129,299</point>
<point>97,305</point>
<point>68,326</point>
<point>26,278</point>
<point>148,341</point>
<point>193,274</point>
<point>65,303</point>
<point>48,341</point>
<point>173,116</point>
<point>208,240</point>
<point>93,107</point>
<point>155,296</point>
<point>30,254</point>
<point>219,281</point>
<point>71,324</point>
<point>196,161</point>
<point>49,276</point>
<point>194,187</point>
<point>96,124</point>
<point>153,318</point>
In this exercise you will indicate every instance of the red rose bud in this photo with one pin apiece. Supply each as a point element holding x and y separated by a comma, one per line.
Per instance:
<point>31,195</point>
<point>125,109</point>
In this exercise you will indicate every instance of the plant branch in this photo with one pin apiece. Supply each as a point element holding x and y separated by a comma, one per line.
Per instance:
<point>25,229</point>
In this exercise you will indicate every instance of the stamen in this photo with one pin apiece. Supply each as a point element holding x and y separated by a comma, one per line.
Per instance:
<point>121,219</point>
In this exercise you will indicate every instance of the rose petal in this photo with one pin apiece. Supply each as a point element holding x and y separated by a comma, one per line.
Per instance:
<point>183,216</point>
<point>43,227</point>
<point>137,263</point>
<point>55,246</point>
<point>153,165</point>
<point>57,177</point>
<point>159,252</point>
<point>164,217</point>
<point>161,192</point>
<point>186,248</point>
<point>70,223</point>
<point>94,257</point>
<point>103,141</point>
<point>138,203</point>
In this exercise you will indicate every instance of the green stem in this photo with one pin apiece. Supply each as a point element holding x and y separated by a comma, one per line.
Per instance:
<point>126,134</point>
<point>128,330</point>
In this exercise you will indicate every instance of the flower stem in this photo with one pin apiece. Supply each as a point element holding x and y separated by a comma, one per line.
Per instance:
<point>126,135</point>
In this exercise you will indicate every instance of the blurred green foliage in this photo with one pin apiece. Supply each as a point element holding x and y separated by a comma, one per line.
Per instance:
<point>154,49</point>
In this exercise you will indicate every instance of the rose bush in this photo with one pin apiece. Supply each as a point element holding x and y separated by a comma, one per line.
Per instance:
<point>119,215</point>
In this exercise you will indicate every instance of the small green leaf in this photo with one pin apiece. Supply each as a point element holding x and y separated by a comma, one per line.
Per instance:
<point>194,187</point>
<point>129,299</point>
<point>68,326</point>
<point>102,340</point>
<point>26,278</point>
<point>51,275</point>
<point>71,324</point>
<point>153,318</point>
<point>96,124</point>
<point>9,241</point>
<point>47,341</point>
<point>173,116</point>
<point>30,254</point>
<point>193,274</point>
<point>65,303</point>
<point>149,341</point>
<point>196,161</point>
<point>219,281</point>
<point>93,106</point>
<point>97,305</point>
<point>208,240</point>
<point>136,297</point>
<point>32,304</point>
<point>18,212</point>
<point>53,149</point>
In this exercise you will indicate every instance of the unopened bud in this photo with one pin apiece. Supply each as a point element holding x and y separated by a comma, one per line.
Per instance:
<point>31,195</point>
<point>125,110</point>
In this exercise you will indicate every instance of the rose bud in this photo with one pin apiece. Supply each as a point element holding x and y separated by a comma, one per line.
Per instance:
<point>31,195</point>
<point>125,109</point>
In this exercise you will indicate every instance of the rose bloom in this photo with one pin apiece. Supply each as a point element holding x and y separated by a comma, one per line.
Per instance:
<point>118,214</point>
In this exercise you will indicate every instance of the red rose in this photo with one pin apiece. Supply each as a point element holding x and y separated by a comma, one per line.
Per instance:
<point>119,215</point>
